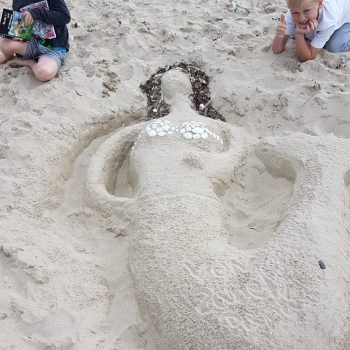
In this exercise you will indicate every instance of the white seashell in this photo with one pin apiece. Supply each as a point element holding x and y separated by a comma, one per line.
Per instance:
<point>196,136</point>
<point>201,106</point>
<point>155,110</point>
<point>188,128</point>
<point>182,131</point>
<point>162,133</point>
<point>154,126</point>
<point>187,135</point>
<point>166,127</point>
<point>204,135</point>
<point>159,129</point>
<point>198,130</point>
<point>152,133</point>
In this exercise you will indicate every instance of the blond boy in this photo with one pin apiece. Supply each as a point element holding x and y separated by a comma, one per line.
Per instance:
<point>314,24</point>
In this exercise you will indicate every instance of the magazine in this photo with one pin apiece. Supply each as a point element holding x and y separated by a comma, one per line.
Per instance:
<point>41,29</point>
<point>12,24</point>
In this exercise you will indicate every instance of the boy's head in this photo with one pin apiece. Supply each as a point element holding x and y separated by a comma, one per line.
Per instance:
<point>301,3</point>
<point>304,11</point>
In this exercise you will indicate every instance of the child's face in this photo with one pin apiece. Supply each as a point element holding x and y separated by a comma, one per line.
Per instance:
<point>308,12</point>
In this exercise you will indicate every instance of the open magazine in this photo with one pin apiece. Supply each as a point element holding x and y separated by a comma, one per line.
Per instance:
<point>12,24</point>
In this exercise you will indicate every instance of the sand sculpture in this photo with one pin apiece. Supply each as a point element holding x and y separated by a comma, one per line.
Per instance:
<point>196,290</point>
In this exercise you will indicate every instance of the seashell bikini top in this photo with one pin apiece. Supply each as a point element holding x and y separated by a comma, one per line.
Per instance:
<point>190,130</point>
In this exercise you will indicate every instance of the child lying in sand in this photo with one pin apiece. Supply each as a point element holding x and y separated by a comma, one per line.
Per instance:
<point>44,58</point>
<point>315,24</point>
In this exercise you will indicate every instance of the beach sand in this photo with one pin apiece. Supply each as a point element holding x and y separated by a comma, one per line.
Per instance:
<point>65,280</point>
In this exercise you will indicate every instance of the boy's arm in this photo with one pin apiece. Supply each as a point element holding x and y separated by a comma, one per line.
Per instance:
<point>305,52</point>
<point>58,13</point>
<point>279,43</point>
<point>280,40</point>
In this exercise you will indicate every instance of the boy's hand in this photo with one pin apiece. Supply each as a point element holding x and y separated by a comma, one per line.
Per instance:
<point>28,19</point>
<point>281,26</point>
<point>312,25</point>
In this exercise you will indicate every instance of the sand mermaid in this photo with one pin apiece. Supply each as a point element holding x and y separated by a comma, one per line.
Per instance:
<point>196,290</point>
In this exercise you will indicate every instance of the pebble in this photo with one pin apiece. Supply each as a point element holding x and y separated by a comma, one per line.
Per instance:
<point>322,264</point>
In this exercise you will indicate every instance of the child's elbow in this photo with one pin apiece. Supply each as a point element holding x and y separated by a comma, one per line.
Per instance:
<point>304,59</point>
<point>277,51</point>
<point>66,17</point>
<point>308,56</point>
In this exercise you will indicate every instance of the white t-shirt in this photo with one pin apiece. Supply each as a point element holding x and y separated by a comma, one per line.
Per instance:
<point>333,14</point>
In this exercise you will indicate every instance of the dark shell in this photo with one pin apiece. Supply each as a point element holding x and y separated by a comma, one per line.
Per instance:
<point>322,264</point>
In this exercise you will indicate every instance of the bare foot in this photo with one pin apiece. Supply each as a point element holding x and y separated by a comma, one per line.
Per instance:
<point>17,62</point>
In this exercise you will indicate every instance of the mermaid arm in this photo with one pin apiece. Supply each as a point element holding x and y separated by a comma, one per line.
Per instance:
<point>103,170</point>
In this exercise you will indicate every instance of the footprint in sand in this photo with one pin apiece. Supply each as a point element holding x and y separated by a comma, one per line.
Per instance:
<point>202,286</point>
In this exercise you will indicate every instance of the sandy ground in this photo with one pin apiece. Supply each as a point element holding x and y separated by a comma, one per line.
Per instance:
<point>64,268</point>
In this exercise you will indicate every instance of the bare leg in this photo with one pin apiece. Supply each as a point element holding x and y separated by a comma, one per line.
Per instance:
<point>9,47</point>
<point>20,62</point>
<point>44,70</point>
